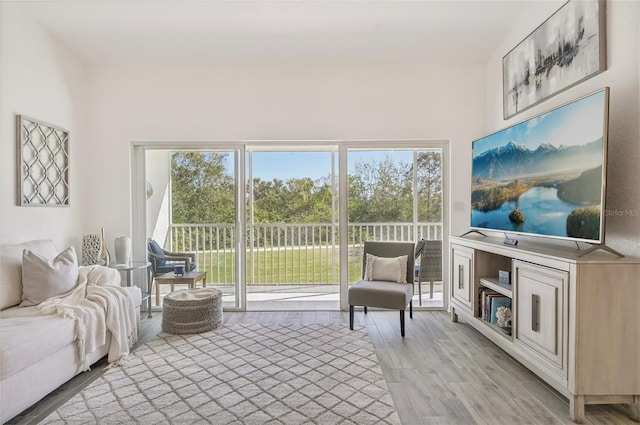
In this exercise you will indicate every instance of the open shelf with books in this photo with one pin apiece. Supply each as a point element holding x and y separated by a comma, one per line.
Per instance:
<point>494,308</point>
<point>491,294</point>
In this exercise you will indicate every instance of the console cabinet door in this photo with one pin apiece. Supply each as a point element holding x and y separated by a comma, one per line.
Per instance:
<point>541,312</point>
<point>462,274</point>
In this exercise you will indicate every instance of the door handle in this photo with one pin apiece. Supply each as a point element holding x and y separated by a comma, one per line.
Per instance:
<point>535,303</point>
<point>460,276</point>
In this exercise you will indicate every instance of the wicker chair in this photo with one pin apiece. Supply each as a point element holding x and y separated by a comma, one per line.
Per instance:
<point>163,261</point>
<point>430,268</point>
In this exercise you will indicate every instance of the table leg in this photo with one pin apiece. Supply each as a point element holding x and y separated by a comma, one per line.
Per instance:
<point>149,286</point>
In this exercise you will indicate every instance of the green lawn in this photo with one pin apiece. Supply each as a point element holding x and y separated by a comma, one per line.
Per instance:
<point>283,267</point>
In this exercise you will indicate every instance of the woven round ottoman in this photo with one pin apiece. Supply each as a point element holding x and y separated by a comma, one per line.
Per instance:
<point>190,311</point>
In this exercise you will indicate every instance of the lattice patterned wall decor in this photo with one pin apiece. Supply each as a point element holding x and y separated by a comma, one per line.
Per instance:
<point>43,161</point>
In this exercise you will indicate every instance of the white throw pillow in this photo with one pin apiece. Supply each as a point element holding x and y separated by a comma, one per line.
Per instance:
<point>43,278</point>
<point>390,269</point>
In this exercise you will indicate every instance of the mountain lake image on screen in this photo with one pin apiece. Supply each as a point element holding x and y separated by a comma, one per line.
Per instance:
<point>545,176</point>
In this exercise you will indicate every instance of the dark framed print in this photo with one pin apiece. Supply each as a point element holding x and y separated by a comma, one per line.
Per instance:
<point>563,51</point>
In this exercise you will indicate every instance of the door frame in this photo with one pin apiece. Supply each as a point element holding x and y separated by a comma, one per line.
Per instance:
<point>139,204</point>
<point>139,212</point>
<point>387,144</point>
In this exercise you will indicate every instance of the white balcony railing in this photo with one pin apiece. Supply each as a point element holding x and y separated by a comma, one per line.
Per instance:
<point>287,254</point>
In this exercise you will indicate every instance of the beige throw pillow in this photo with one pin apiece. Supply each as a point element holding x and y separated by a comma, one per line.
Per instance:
<point>44,278</point>
<point>390,269</point>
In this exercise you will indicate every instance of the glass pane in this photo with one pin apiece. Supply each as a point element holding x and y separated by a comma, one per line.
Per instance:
<point>429,190</point>
<point>429,199</point>
<point>394,195</point>
<point>380,189</point>
<point>293,257</point>
<point>196,213</point>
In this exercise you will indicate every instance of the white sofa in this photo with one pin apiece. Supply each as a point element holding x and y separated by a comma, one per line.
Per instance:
<point>37,353</point>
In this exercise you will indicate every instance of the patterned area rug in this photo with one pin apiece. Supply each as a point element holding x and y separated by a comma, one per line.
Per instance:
<point>241,374</point>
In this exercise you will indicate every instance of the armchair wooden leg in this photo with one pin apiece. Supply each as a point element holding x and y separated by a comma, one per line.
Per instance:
<point>402,323</point>
<point>351,317</point>
<point>411,309</point>
<point>365,309</point>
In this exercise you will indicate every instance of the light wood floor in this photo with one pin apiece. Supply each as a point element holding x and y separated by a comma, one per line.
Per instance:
<point>441,373</point>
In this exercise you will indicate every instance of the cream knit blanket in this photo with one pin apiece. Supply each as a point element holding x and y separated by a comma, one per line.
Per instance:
<point>98,304</point>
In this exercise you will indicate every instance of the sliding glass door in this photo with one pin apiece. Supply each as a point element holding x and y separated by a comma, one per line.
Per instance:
<point>395,195</point>
<point>292,257</point>
<point>281,227</point>
<point>192,206</point>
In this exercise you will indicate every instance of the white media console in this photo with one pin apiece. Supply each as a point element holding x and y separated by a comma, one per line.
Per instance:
<point>575,319</point>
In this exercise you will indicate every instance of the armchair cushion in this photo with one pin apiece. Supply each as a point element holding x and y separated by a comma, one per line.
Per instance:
<point>157,249</point>
<point>391,269</point>
<point>382,294</point>
<point>168,267</point>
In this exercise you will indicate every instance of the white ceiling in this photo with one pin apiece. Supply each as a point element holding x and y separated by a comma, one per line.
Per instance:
<point>215,31</point>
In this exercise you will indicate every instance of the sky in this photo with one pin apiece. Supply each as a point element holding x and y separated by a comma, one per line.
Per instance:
<point>576,123</point>
<point>285,165</point>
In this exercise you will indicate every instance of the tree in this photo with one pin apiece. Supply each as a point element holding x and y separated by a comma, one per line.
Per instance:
<point>202,191</point>
<point>429,185</point>
<point>296,200</point>
<point>380,192</point>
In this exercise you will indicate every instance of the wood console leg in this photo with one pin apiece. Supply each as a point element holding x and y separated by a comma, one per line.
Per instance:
<point>454,316</point>
<point>576,408</point>
<point>634,408</point>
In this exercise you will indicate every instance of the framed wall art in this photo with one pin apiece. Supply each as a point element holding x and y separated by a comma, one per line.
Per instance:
<point>43,163</point>
<point>563,51</point>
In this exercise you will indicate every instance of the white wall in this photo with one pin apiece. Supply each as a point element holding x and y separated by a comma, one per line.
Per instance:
<point>42,80</point>
<point>274,102</point>
<point>158,163</point>
<point>109,107</point>
<point>622,76</point>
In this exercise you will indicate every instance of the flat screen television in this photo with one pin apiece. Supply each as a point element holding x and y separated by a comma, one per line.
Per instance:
<point>545,176</point>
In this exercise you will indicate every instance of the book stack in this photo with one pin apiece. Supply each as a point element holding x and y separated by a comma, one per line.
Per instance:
<point>489,301</point>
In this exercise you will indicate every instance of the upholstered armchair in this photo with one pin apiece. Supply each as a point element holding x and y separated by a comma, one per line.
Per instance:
<point>388,270</point>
